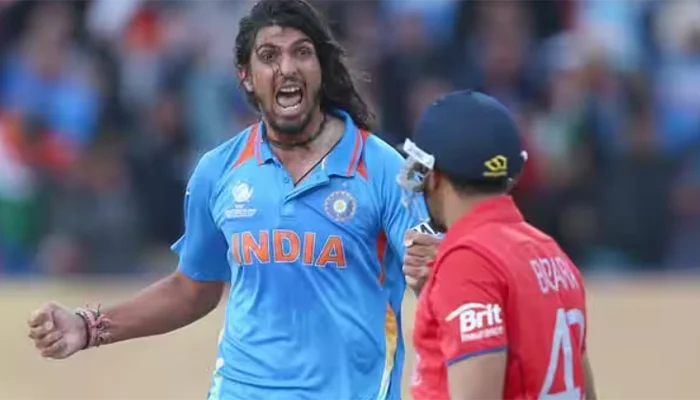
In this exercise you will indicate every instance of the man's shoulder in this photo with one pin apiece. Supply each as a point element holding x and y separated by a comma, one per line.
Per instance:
<point>380,156</point>
<point>377,147</point>
<point>506,247</point>
<point>229,153</point>
<point>498,235</point>
<point>458,257</point>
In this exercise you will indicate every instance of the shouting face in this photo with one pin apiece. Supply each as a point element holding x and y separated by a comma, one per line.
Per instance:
<point>284,75</point>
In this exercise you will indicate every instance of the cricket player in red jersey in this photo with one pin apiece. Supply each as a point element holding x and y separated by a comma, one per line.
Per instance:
<point>503,315</point>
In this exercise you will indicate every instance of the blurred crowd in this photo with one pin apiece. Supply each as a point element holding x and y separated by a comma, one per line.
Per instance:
<point>106,105</point>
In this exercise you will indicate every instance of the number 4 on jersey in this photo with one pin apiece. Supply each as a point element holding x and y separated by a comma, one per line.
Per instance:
<point>561,344</point>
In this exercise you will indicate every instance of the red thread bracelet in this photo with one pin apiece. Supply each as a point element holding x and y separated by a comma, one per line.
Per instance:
<point>96,325</point>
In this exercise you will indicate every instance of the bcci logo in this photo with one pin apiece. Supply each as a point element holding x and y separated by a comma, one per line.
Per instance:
<point>340,206</point>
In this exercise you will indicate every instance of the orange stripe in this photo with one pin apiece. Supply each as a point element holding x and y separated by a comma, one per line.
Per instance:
<point>381,249</point>
<point>249,149</point>
<point>391,334</point>
<point>357,152</point>
<point>361,166</point>
<point>362,169</point>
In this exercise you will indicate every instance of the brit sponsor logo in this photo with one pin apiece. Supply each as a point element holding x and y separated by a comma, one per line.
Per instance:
<point>478,321</point>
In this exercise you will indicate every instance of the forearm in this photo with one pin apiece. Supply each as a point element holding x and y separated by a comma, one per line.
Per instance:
<point>165,306</point>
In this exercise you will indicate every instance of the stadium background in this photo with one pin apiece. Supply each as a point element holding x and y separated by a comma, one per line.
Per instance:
<point>106,105</point>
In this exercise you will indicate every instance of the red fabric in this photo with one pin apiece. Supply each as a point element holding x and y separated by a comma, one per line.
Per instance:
<point>501,285</point>
<point>144,31</point>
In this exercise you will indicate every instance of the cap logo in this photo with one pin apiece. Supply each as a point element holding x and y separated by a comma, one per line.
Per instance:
<point>496,167</point>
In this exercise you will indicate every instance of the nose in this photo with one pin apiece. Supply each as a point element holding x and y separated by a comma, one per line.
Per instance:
<point>287,65</point>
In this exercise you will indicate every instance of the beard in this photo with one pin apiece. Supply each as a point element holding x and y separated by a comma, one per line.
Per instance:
<point>290,127</point>
<point>433,213</point>
<point>436,223</point>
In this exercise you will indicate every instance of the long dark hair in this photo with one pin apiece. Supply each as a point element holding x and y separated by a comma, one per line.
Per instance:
<point>338,88</point>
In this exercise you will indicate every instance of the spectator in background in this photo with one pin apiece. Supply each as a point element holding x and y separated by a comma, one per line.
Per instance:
<point>437,16</point>
<point>497,56</point>
<point>617,27</point>
<point>420,94</point>
<point>599,179</point>
<point>410,56</point>
<point>140,58</point>
<point>50,111</point>
<point>6,19</point>
<point>634,192</point>
<point>677,74</point>
<point>158,166</point>
<point>214,107</point>
<point>559,199</point>
<point>363,41</point>
<point>48,75</point>
<point>21,211</point>
<point>683,252</point>
<point>93,226</point>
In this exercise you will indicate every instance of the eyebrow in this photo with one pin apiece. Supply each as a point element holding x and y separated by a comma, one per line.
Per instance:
<point>295,43</point>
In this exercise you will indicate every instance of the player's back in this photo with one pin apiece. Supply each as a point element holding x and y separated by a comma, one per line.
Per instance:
<point>545,312</point>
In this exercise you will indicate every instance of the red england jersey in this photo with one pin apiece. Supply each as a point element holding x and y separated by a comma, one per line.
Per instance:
<point>499,284</point>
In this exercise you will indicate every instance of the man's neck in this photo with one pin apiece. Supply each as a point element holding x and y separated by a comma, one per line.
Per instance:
<point>298,160</point>
<point>311,129</point>
<point>458,206</point>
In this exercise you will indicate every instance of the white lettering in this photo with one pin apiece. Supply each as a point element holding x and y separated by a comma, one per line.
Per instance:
<point>478,321</point>
<point>554,274</point>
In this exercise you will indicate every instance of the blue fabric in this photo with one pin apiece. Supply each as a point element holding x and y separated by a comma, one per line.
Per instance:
<point>315,303</point>
<point>465,131</point>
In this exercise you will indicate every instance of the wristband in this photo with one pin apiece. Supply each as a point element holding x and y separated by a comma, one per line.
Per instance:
<point>96,325</point>
<point>86,322</point>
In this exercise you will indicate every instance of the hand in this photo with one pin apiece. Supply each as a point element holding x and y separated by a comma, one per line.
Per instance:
<point>421,250</point>
<point>57,331</point>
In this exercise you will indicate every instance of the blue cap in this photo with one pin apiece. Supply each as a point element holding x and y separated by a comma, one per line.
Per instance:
<point>472,136</point>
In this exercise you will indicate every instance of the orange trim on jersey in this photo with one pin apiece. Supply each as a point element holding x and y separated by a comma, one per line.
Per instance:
<point>391,336</point>
<point>361,166</point>
<point>362,169</point>
<point>381,250</point>
<point>356,163</point>
<point>364,134</point>
<point>391,328</point>
<point>355,154</point>
<point>249,151</point>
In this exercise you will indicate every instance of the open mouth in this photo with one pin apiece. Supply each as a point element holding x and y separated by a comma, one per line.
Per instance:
<point>289,97</point>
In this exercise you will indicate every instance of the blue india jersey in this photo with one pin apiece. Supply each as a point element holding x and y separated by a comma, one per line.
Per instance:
<point>314,309</point>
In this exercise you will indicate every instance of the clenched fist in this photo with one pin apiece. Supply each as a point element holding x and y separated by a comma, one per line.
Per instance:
<point>421,249</point>
<point>57,331</point>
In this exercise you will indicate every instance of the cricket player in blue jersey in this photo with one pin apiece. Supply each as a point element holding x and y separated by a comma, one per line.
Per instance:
<point>302,215</point>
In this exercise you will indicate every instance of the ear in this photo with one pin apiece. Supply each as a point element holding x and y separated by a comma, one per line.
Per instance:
<point>434,180</point>
<point>244,77</point>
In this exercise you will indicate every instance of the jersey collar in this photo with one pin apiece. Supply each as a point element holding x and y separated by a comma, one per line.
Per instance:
<point>343,160</point>
<point>496,209</point>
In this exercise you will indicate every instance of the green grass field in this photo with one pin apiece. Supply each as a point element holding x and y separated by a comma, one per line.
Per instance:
<point>644,341</point>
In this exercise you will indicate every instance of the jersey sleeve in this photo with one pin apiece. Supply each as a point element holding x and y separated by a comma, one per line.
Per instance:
<point>202,248</point>
<point>396,218</point>
<point>468,301</point>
